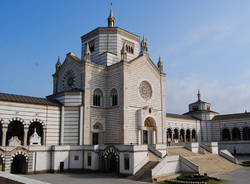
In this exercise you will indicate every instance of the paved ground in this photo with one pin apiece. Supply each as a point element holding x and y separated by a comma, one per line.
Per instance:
<point>241,176</point>
<point>81,179</point>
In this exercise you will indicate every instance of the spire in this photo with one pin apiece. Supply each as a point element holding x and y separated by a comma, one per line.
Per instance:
<point>124,53</point>
<point>144,46</point>
<point>160,65</point>
<point>58,64</point>
<point>111,18</point>
<point>199,95</point>
<point>87,53</point>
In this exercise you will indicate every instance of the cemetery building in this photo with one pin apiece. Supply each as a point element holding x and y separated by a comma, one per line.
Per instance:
<point>108,112</point>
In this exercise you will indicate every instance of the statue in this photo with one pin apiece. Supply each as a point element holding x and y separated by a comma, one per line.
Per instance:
<point>14,141</point>
<point>35,139</point>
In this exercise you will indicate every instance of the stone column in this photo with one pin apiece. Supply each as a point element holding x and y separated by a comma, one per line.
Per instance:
<point>25,137</point>
<point>184,135</point>
<point>81,125</point>
<point>172,136</point>
<point>4,131</point>
<point>154,137</point>
<point>139,136</point>
<point>178,135</point>
<point>44,136</point>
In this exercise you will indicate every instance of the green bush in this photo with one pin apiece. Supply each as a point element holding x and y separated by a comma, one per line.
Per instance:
<point>245,163</point>
<point>199,178</point>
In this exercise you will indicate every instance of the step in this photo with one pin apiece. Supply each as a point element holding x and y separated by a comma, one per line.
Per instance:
<point>145,173</point>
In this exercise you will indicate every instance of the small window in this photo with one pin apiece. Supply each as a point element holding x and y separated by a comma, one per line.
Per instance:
<point>195,108</point>
<point>150,110</point>
<point>114,97</point>
<point>92,46</point>
<point>126,162</point>
<point>76,157</point>
<point>129,47</point>
<point>89,159</point>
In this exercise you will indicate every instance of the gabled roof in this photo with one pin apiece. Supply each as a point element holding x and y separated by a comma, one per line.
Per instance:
<point>179,116</point>
<point>232,116</point>
<point>27,99</point>
<point>150,61</point>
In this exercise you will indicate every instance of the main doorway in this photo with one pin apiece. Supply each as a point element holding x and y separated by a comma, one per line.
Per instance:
<point>110,160</point>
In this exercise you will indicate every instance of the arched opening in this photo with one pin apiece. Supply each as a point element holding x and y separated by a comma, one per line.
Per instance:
<point>19,165</point>
<point>110,160</point>
<point>39,130</point>
<point>188,135</point>
<point>176,135</point>
<point>15,129</point>
<point>97,98</point>
<point>226,135</point>
<point>193,135</point>
<point>149,132</point>
<point>1,164</point>
<point>236,134</point>
<point>169,135</point>
<point>246,133</point>
<point>182,135</point>
<point>97,134</point>
<point>1,133</point>
<point>114,97</point>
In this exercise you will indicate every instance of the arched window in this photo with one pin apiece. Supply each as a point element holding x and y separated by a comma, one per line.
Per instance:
<point>236,134</point>
<point>114,97</point>
<point>97,137</point>
<point>97,98</point>
<point>246,133</point>
<point>193,135</point>
<point>225,134</point>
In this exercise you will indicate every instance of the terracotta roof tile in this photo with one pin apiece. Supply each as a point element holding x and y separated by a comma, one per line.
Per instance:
<point>232,116</point>
<point>26,99</point>
<point>179,116</point>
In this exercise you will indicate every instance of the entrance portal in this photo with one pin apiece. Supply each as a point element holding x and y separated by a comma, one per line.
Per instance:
<point>110,160</point>
<point>19,165</point>
<point>112,164</point>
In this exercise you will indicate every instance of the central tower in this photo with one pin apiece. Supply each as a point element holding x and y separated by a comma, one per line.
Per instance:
<point>108,44</point>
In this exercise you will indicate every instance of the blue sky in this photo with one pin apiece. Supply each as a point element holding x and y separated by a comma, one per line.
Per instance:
<point>204,44</point>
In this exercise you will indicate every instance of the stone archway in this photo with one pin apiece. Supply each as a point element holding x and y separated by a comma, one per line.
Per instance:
<point>110,160</point>
<point>19,164</point>
<point>2,159</point>
<point>38,128</point>
<point>15,130</point>
<point>149,131</point>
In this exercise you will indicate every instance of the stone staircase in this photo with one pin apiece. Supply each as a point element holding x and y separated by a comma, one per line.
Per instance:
<point>144,174</point>
<point>209,163</point>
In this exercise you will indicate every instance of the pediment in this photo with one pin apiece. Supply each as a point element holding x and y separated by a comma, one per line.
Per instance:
<point>147,60</point>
